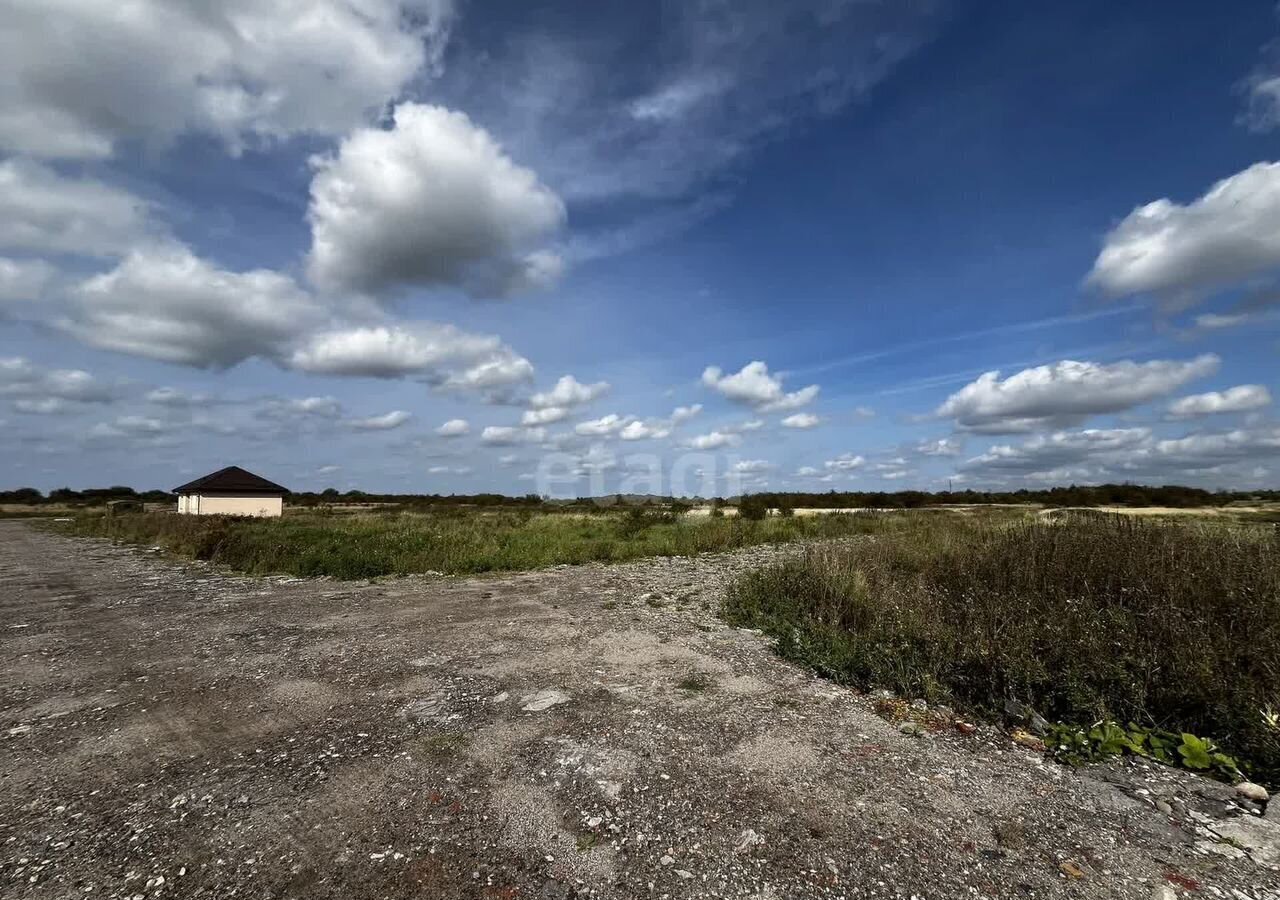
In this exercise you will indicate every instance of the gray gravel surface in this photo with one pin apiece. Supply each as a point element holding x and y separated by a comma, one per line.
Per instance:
<point>170,730</point>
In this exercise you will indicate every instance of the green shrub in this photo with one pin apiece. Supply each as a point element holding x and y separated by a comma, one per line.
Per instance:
<point>753,507</point>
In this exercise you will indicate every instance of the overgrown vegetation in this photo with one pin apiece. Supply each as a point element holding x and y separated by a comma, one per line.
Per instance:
<point>1089,619</point>
<point>452,542</point>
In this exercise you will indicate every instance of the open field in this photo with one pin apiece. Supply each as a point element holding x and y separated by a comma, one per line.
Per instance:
<point>450,541</point>
<point>171,730</point>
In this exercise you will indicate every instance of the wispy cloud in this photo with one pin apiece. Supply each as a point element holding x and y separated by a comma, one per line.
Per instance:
<point>690,95</point>
<point>1046,324</point>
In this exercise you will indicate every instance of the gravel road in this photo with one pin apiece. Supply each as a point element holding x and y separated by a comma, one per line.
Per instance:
<point>170,730</point>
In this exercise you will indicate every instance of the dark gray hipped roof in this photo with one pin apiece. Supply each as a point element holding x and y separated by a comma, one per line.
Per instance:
<point>232,478</point>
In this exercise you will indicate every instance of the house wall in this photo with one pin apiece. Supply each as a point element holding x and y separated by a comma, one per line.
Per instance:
<point>224,505</point>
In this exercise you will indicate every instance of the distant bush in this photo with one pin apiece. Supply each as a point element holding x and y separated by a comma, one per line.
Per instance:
<point>1168,626</point>
<point>753,507</point>
<point>637,519</point>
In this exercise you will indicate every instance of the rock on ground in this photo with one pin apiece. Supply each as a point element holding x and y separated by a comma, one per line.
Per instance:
<point>1250,791</point>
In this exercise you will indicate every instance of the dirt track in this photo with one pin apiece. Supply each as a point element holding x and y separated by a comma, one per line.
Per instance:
<point>172,731</point>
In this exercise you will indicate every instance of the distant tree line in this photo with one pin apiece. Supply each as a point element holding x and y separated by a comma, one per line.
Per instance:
<point>332,495</point>
<point>1094,495</point>
<point>1170,495</point>
<point>86,497</point>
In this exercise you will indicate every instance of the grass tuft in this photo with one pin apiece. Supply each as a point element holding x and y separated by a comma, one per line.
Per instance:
<point>444,745</point>
<point>696,682</point>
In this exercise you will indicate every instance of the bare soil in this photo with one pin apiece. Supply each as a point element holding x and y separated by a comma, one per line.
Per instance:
<point>169,730</point>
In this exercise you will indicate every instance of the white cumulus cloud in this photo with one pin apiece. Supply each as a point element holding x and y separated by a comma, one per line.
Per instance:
<point>845,462</point>
<point>941,447</point>
<point>1057,450</point>
<point>1241,398</point>
<point>79,76</point>
<point>454,428</point>
<point>685,413</point>
<point>1197,452</point>
<point>544,416</point>
<point>1066,392</point>
<point>163,302</point>
<point>605,425</point>
<point>1219,321</point>
<point>44,212</point>
<point>713,440</point>
<point>569,392</point>
<point>440,354</point>
<point>301,408</point>
<point>449,470</point>
<point>1129,454</point>
<point>637,430</point>
<point>137,427</point>
<point>1181,252</point>
<point>384,422</point>
<point>172,397</point>
<point>801,420</point>
<point>754,386</point>
<point>431,201</point>
<point>507,435</point>
<point>47,391</point>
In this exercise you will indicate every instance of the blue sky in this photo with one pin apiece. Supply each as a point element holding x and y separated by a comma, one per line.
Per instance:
<point>435,246</point>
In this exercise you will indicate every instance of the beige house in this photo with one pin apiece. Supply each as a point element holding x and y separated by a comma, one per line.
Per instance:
<point>231,492</point>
